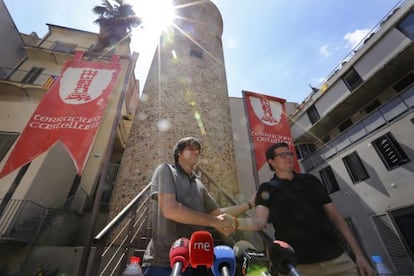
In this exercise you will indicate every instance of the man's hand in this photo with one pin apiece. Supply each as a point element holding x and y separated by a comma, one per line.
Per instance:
<point>226,224</point>
<point>364,267</point>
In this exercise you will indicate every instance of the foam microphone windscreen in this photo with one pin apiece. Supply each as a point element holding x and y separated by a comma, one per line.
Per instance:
<point>179,253</point>
<point>223,257</point>
<point>201,249</point>
<point>241,246</point>
<point>282,256</point>
<point>250,261</point>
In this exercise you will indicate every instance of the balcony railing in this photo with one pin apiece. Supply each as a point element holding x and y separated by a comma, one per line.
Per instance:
<point>378,118</point>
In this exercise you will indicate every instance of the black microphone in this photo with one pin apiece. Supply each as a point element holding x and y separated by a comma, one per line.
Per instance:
<point>250,261</point>
<point>282,258</point>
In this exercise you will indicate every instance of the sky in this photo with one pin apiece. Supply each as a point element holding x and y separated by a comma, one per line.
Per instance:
<point>274,47</point>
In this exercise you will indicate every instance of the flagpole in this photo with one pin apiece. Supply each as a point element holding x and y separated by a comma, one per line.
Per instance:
<point>251,144</point>
<point>12,188</point>
<point>101,184</point>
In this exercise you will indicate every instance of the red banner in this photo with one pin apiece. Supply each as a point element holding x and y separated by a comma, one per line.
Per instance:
<point>267,124</point>
<point>70,112</point>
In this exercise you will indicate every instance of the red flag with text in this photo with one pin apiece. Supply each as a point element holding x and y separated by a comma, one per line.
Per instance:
<point>267,124</point>
<point>70,112</point>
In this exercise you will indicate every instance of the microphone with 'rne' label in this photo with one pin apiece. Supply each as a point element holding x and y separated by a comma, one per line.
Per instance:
<point>201,249</point>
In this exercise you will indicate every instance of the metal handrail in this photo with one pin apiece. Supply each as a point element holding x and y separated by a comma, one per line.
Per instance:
<point>125,228</point>
<point>117,220</point>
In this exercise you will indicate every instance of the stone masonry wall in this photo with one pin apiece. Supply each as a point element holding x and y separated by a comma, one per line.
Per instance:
<point>185,95</point>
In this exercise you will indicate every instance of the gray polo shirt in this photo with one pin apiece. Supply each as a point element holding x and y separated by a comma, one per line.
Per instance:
<point>190,192</point>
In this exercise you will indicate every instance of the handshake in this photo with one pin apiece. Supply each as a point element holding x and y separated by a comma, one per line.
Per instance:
<point>226,224</point>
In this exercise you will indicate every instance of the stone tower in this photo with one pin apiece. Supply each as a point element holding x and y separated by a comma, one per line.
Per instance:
<point>185,95</point>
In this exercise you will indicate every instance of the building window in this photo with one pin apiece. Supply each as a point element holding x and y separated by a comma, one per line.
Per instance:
<point>329,180</point>
<point>6,141</point>
<point>63,47</point>
<point>390,152</point>
<point>404,83</point>
<point>32,75</point>
<point>352,79</point>
<point>346,124</point>
<point>355,168</point>
<point>407,26</point>
<point>372,106</point>
<point>404,219</point>
<point>313,114</point>
<point>304,150</point>
<point>196,53</point>
<point>325,139</point>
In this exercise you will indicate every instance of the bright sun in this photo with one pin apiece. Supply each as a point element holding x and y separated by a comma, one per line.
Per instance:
<point>156,15</point>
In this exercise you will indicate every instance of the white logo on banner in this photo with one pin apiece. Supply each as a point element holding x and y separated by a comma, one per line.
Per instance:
<point>83,85</point>
<point>268,112</point>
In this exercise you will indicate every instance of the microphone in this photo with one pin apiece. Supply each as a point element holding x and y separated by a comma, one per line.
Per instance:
<point>179,256</point>
<point>250,261</point>
<point>282,257</point>
<point>224,261</point>
<point>201,249</point>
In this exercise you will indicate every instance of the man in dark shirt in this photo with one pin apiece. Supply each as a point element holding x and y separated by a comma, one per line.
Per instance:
<point>304,216</point>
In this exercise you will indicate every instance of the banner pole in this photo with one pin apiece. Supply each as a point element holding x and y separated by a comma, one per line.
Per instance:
<point>13,187</point>
<point>251,144</point>
<point>101,184</point>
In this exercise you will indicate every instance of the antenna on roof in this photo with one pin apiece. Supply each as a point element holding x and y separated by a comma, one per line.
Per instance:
<point>314,89</point>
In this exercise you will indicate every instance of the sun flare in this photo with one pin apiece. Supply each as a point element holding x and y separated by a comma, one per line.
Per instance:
<point>156,15</point>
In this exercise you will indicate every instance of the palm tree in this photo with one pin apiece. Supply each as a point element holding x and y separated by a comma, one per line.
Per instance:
<point>116,20</point>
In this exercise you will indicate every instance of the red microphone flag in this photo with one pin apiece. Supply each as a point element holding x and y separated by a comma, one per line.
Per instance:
<point>201,249</point>
<point>70,112</point>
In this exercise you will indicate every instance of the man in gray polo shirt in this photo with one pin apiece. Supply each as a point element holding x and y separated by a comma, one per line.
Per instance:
<point>182,205</point>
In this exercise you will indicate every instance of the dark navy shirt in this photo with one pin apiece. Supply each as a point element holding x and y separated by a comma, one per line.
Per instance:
<point>298,217</point>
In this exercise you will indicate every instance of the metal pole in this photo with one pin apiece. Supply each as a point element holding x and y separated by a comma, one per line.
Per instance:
<point>13,187</point>
<point>101,183</point>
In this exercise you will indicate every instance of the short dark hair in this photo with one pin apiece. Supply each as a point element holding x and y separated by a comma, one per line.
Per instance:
<point>270,152</point>
<point>186,141</point>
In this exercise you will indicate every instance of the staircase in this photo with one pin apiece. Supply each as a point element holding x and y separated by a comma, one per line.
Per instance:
<point>130,231</point>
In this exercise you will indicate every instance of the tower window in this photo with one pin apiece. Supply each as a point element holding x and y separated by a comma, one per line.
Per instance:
<point>196,53</point>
